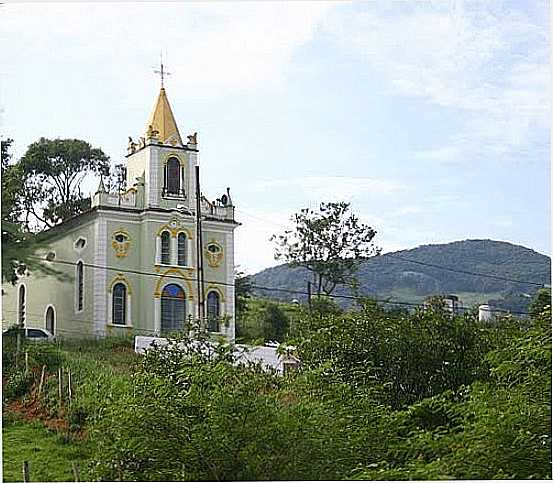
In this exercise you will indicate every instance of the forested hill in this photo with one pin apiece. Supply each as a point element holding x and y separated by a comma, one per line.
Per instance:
<point>388,276</point>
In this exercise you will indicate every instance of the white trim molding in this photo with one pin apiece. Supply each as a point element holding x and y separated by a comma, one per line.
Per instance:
<point>100,277</point>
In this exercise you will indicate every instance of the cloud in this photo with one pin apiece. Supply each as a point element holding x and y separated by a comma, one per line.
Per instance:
<point>487,63</point>
<point>339,187</point>
<point>209,47</point>
<point>444,154</point>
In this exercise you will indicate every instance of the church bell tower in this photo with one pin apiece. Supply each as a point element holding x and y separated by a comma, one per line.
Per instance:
<point>162,161</point>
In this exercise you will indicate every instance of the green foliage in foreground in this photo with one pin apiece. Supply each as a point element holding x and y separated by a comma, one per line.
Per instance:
<point>374,399</point>
<point>50,455</point>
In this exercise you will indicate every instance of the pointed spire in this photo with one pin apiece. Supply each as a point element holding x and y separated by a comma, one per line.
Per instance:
<point>101,186</point>
<point>163,122</point>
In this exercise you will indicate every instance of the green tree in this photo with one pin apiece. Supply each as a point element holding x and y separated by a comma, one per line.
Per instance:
<point>494,429</point>
<point>53,171</point>
<point>18,245</point>
<point>540,302</point>
<point>405,357</point>
<point>330,243</point>
<point>264,320</point>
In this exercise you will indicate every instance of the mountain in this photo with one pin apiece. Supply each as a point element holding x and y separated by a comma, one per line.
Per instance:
<point>397,276</point>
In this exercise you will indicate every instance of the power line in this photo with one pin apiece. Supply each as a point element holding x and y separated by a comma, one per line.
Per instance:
<point>441,267</point>
<point>259,287</point>
<point>466,272</point>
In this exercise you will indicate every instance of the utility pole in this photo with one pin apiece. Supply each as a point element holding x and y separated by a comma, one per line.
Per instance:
<point>199,248</point>
<point>309,295</point>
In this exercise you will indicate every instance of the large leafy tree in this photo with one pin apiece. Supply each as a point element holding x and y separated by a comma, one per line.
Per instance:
<point>329,243</point>
<point>53,171</point>
<point>18,245</point>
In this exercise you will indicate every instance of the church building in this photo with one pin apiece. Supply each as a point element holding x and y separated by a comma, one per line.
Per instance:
<point>139,261</point>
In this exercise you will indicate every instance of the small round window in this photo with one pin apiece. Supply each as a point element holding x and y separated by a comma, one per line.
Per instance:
<point>214,248</point>
<point>214,253</point>
<point>121,243</point>
<point>80,243</point>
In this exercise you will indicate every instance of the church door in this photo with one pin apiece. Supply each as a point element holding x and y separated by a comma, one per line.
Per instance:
<point>173,309</point>
<point>50,320</point>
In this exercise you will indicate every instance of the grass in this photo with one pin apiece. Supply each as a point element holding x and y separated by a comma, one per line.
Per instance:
<point>49,454</point>
<point>96,366</point>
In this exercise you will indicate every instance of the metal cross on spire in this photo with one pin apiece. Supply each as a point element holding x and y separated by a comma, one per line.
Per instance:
<point>162,72</point>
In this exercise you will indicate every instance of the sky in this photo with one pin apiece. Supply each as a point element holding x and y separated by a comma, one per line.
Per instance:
<point>431,118</point>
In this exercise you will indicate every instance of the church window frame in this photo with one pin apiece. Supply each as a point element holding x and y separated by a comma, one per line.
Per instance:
<point>182,249</point>
<point>173,177</point>
<point>165,247</point>
<point>119,315</point>
<point>120,281</point>
<point>50,309</point>
<point>171,305</point>
<point>79,286</point>
<point>213,310</point>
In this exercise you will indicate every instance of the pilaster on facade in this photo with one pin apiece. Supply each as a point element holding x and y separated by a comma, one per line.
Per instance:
<point>154,168</point>
<point>100,277</point>
<point>229,291</point>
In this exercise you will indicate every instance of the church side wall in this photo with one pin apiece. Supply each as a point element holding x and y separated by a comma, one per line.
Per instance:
<point>219,271</point>
<point>44,291</point>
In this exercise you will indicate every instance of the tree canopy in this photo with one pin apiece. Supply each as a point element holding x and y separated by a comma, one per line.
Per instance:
<point>329,243</point>
<point>53,171</point>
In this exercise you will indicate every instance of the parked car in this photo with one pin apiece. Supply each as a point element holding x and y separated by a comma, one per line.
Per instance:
<point>33,334</point>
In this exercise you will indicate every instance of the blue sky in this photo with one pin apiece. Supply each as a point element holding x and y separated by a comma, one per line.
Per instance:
<point>431,118</point>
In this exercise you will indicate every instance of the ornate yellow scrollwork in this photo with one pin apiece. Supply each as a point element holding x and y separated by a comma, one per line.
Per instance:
<point>214,253</point>
<point>121,242</point>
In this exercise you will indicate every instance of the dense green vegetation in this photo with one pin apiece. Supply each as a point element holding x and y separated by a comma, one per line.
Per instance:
<point>387,277</point>
<point>379,395</point>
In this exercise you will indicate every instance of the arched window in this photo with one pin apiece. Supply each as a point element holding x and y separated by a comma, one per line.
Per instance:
<point>80,286</point>
<point>119,304</point>
<point>166,248</point>
<point>21,306</point>
<point>50,320</point>
<point>172,176</point>
<point>173,308</point>
<point>181,249</point>
<point>213,311</point>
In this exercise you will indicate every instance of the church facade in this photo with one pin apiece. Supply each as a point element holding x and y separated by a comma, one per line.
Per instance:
<point>131,262</point>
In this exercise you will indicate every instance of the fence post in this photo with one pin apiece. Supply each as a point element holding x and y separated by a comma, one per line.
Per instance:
<point>26,362</point>
<point>76,472</point>
<point>41,380</point>
<point>69,392</point>
<point>60,393</point>
<point>25,472</point>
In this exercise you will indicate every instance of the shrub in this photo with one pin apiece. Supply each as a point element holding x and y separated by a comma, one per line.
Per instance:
<point>16,385</point>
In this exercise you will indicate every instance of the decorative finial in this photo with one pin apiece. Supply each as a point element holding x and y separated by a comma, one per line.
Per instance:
<point>193,138</point>
<point>162,72</point>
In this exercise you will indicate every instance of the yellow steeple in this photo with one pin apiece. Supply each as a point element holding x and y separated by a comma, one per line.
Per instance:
<point>163,122</point>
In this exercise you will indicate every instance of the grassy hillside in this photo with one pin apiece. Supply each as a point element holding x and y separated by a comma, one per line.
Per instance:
<point>389,277</point>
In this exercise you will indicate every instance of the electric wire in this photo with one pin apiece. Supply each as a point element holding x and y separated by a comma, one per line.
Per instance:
<point>256,286</point>
<point>440,267</point>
